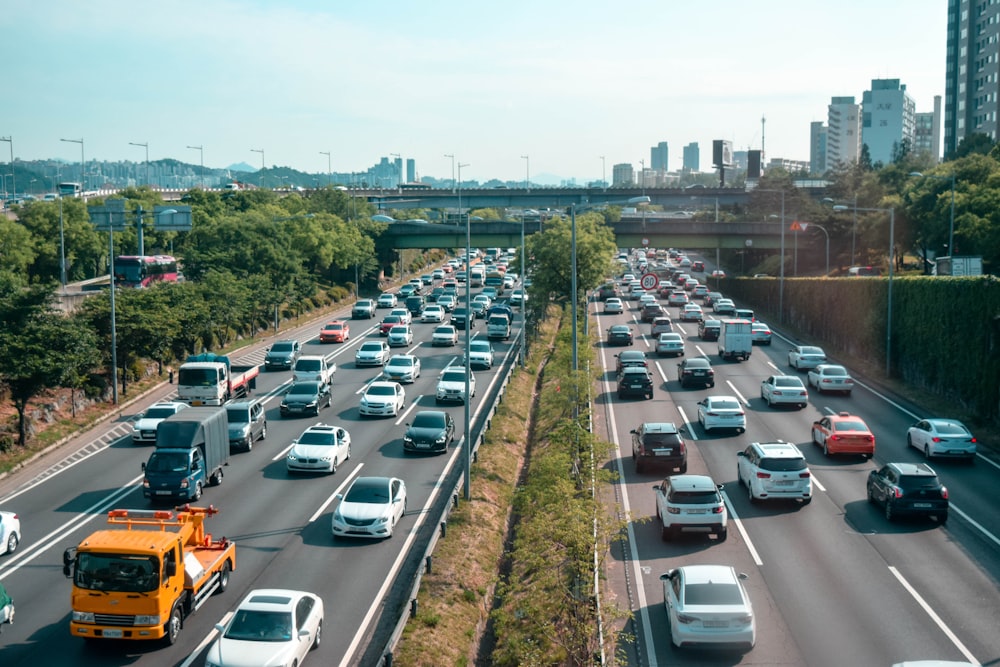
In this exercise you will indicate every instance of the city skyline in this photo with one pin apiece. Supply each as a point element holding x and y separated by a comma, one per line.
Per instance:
<point>284,83</point>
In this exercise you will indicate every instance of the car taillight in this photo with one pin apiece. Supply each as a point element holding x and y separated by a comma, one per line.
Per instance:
<point>897,492</point>
<point>936,439</point>
<point>870,438</point>
<point>718,509</point>
<point>804,475</point>
<point>686,618</point>
<point>972,439</point>
<point>944,492</point>
<point>682,449</point>
<point>763,475</point>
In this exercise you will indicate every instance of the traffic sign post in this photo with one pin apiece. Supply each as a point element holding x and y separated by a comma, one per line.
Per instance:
<point>649,281</point>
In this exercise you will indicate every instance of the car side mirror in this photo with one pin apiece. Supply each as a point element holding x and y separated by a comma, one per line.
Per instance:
<point>743,454</point>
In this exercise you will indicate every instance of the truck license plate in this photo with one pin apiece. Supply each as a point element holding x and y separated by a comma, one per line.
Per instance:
<point>163,493</point>
<point>112,634</point>
<point>197,402</point>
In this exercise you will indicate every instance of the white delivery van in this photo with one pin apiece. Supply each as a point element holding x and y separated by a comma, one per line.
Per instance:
<point>735,339</point>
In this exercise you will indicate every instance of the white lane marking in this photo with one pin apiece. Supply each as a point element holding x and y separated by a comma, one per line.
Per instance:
<point>206,641</point>
<point>816,481</point>
<point>736,391</point>
<point>663,373</point>
<point>934,617</point>
<point>993,538</point>
<point>407,411</point>
<point>333,496</point>
<point>735,518</point>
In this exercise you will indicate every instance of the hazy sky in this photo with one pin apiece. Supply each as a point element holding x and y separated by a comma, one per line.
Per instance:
<point>564,82</point>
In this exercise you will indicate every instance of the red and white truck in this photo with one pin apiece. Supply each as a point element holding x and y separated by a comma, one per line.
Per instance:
<point>210,379</point>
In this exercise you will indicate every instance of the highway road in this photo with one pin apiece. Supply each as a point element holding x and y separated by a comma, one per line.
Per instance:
<point>281,524</point>
<point>833,583</point>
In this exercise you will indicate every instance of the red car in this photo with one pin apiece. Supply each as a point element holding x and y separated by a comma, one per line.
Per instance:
<point>337,331</point>
<point>389,322</point>
<point>844,433</point>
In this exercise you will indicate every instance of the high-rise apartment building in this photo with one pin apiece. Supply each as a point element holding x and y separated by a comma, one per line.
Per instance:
<point>658,157</point>
<point>622,174</point>
<point>927,133</point>
<point>972,71</point>
<point>843,133</point>
<point>817,147</point>
<point>888,120</point>
<point>692,157</point>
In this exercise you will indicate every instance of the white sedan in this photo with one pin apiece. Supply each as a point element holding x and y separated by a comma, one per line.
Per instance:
<point>371,507</point>
<point>947,438</point>
<point>614,306</point>
<point>722,412</point>
<point>400,336</point>
<point>445,334</point>
<point>402,368</point>
<point>404,315</point>
<point>386,300</point>
<point>804,357</point>
<point>784,390</point>
<point>707,605</point>
<point>382,399</point>
<point>10,532</point>
<point>432,313</point>
<point>372,353</point>
<point>320,448</point>
<point>831,377</point>
<point>269,627</point>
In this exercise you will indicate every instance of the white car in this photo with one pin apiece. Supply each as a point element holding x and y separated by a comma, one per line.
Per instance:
<point>382,398</point>
<point>270,626</point>
<point>831,377</point>
<point>372,353</point>
<point>774,470</point>
<point>483,299</point>
<point>400,336</point>
<point>784,390</point>
<point>723,306</point>
<point>10,532</point>
<point>437,274</point>
<point>669,345</point>
<point>451,385</point>
<point>386,300</point>
<point>722,412</point>
<point>708,605</point>
<point>481,354</point>
<point>371,507</point>
<point>433,313</point>
<point>402,368</point>
<point>448,302</point>
<point>320,448</point>
<point>144,428</point>
<point>945,438</point>
<point>690,502</point>
<point>518,297</point>
<point>404,315</point>
<point>691,313</point>
<point>804,357</point>
<point>614,306</point>
<point>445,334</point>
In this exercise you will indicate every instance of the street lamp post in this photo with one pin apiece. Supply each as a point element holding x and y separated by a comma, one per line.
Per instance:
<point>329,167</point>
<point>892,267</point>
<point>467,481</point>
<point>527,173</point>
<point>62,249</point>
<point>951,221</point>
<point>146,146</point>
<point>202,156</point>
<point>261,151</point>
<point>83,173</point>
<point>13,182</point>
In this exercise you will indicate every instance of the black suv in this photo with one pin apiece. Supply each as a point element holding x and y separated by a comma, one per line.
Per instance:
<point>635,380</point>
<point>908,488</point>
<point>659,444</point>
<point>709,329</point>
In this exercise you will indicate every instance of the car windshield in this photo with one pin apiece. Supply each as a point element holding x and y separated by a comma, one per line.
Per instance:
<point>282,347</point>
<point>370,347</point>
<point>654,439</point>
<point>308,365</point>
<point>453,376</point>
<point>391,319</point>
<point>837,371</point>
<point>260,626</point>
<point>445,331</point>
<point>787,382</point>
<point>304,388</point>
<point>696,363</point>
<point>424,420</point>
<point>318,438</point>
<point>782,465</point>
<point>712,594</point>
<point>694,497</point>
<point>912,482</point>
<point>811,350</point>
<point>238,415</point>
<point>851,425</point>
<point>159,413</point>
<point>398,331</point>
<point>950,429</point>
<point>725,404</point>
<point>401,361</point>
<point>368,491</point>
<point>381,390</point>
<point>479,346</point>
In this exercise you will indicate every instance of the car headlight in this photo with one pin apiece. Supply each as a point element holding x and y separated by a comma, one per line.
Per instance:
<point>148,620</point>
<point>364,402</point>
<point>292,457</point>
<point>312,404</point>
<point>83,616</point>
<point>440,439</point>
<point>408,438</point>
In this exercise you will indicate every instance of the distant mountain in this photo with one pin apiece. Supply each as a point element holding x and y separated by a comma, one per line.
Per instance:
<point>242,166</point>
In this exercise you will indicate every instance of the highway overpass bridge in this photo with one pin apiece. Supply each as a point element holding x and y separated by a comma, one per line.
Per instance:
<point>656,233</point>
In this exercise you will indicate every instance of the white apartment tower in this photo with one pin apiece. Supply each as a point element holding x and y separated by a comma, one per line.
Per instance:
<point>843,133</point>
<point>888,120</point>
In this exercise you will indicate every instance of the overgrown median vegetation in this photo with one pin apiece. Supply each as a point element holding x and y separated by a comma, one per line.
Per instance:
<point>513,582</point>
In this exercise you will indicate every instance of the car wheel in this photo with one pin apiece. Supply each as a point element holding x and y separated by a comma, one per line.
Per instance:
<point>621,394</point>
<point>871,496</point>
<point>197,491</point>
<point>173,627</point>
<point>711,384</point>
<point>739,478</point>
<point>684,468</point>
<point>806,501</point>
<point>750,495</point>
<point>666,533</point>
<point>224,578</point>
<point>319,637</point>
<point>12,543</point>
<point>722,534</point>
<point>889,514</point>
<point>639,468</point>
<point>263,431</point>
<point>249,446</point>
<point>649,395</point>
<point>826,448</point>
<point>927,452</point>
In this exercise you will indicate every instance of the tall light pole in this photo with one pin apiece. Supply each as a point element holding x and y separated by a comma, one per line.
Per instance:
<point>892,268</point>
<point>951,222</point>
<point>146,146</point>
<point>261,151</point>
<point>452,171</point>
<point>329,167</point>
<point>572,286</point>
<point>83,173</point>
<point>527,173</point>
<point>13,182</point>
<point>467,482</point>
<point>202,155</point>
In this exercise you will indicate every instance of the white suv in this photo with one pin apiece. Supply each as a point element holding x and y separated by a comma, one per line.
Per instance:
<point>774,470</point>
<point>690,502</point>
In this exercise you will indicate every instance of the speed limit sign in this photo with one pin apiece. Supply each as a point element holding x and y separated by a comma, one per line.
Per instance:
<point>649,281</point>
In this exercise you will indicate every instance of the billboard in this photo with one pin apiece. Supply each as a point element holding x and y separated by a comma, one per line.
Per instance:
<point>753,164</point>
<point>722,153</point>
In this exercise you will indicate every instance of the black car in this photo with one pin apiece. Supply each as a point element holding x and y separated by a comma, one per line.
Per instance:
<point>630,358</point>
<point>660,445</point>
<point>709,329</point>
<point>651,311</point>
<point>306,398</point>
<point>430,431</point>
<point>619,334</point>
<point>695,371</point>
<point>908,489</point>
<point>415,304</point>
<point>635,381</point>
<point>282,355</point>
<point>460,318</point>
<point>604,292</point>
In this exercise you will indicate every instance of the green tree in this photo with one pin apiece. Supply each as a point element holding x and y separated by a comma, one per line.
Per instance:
<point>552,249</point>
<point>16,251</point>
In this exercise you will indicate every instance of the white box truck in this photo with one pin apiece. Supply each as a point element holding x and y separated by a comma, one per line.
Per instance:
<point>735,341</point>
